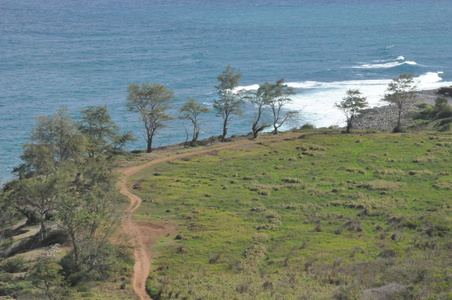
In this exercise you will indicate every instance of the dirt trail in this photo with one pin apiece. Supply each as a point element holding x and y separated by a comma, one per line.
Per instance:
<point>144,233</point>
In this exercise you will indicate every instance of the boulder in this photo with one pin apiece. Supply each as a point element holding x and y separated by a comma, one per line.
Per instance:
<point>445,91</point>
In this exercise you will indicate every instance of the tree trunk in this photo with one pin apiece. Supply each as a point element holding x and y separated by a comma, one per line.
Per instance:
<point>255,131</point>
<point>195,138</point>
<point>149,145</point>
<point>399,117</point>
<point>43,230</point>
<point>225,129</point>
<point>275,127</point>
<point>349,124</point>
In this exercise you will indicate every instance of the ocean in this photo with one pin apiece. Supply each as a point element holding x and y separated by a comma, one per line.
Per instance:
<point>84,53</point>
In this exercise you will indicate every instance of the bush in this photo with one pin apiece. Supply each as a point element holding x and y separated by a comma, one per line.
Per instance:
<point>14,265</point>
<point>307,126</point>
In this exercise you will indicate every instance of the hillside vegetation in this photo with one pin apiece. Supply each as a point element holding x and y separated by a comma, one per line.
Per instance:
<point>320,216</point>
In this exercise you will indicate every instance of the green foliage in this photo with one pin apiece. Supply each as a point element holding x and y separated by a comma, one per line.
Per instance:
<point>151,101</point>
<point>53,141</point>
<point>352,104</point>
<point>74,188</point>
<point>229,101</point>
<point>101,132</point>
<point>7,218</point>
<point>259,100</point>
<point>440,115</point>
<point>307,126</point>
<point>277,96</point>
<point>37,197</point>
<point>228,79</point>
<point>46,276</point>
<point>401,92</point>
<point>13,265</point>
<point>90,214</point>
<point>191,111</point>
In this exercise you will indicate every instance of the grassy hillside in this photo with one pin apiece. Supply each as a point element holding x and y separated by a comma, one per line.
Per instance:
<point>316,217</point>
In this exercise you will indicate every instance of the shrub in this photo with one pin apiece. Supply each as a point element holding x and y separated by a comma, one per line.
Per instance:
<point>292,180</point>
<point>307,126</point>
<point>14,265</point>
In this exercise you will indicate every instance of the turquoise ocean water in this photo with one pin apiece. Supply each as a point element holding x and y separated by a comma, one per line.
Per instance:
<point>82,53</point>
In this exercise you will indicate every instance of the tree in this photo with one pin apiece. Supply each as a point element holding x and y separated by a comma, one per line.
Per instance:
<point>442,108</point>
<point>89,214</point>
<point>229,101</point>
<point>277,98</point>
<point>191,110</point>
<point>260,99</point>
<point>101,132</point>
<point>7,215</point>
<point>46,275</point>
<point>152,102</point>
<point>37,198</point>
<point>352,104</point>
<point>401,91</point>
<point>54,140</point>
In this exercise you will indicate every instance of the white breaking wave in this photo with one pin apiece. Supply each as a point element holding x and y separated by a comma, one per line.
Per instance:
<point>386,64</point>
<point>252,87</point>
<point>315,100</point>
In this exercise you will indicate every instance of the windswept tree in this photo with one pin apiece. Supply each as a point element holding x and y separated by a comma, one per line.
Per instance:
<point>277,97</point>
<point>191,111</point>
<point>229,101</point>
<point>152,102</point>
<point>352,104</point>
<point>401,92</point>
<point>260,99</point>
<point>101,132</point>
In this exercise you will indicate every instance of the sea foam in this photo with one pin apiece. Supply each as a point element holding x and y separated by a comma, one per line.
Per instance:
<point>385,64</point>
<point>316,100</point>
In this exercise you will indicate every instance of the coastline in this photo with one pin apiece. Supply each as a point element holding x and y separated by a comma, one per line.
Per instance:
<point>385,117</point>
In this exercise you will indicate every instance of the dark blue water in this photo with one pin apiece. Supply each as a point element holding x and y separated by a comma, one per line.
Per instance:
<point>82,53</point>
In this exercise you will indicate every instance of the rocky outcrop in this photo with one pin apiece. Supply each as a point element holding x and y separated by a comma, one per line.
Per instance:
<point>385,117</point>
<point>445,91</point>
<point>381,118</point>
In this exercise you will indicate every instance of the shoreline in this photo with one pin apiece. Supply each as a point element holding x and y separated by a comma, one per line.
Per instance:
<point>385,117</point>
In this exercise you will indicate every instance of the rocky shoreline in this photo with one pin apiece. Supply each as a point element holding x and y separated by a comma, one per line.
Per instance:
<point>385,117</point>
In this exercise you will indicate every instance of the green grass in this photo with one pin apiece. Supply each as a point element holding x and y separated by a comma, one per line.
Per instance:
<point>319,217</point>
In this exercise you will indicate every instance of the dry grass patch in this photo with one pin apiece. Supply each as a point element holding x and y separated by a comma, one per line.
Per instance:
<point>382,185</point>
<point>292,180</point>
<point>420,172</point>
<point>388,172</point>
<point>443,184</point>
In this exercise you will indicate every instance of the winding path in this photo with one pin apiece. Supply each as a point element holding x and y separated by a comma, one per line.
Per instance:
<point>144,233</point>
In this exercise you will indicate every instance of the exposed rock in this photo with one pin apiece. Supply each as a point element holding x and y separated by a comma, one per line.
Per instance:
<point>386,292</point>
<point>445,91</point>
<point>385,117</point>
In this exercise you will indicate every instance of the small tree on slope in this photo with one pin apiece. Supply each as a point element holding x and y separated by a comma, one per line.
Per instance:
<point>352,104</point>
<point>401,91</point>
